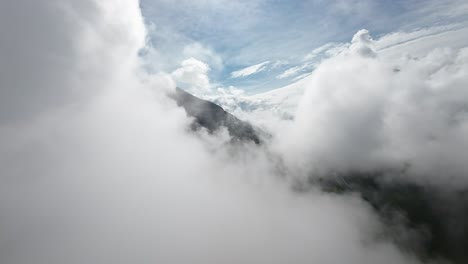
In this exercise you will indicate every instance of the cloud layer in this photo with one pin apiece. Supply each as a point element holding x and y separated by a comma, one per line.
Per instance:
<point>382,112</point>
<point>98,166</point>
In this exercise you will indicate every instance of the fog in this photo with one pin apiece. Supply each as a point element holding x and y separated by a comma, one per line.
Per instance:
<point>98,166</point>
<point>366,110</point>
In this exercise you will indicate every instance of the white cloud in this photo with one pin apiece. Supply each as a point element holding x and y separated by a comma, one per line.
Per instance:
<point>296,70</point>
<point>279,63</point>
<point>202,53</point>
<point>97,165</point>
<point>397,38</point>
<point>250,70</point>
<point>60,82</point>
<point>194,75</point>
<point>302,76</point>
<point>417,44</point>
<point>359,114</point>
<point>110,174</point>
<point>319,50</point>
<point>312,59</point>
<point>363,44</point>
<point>354,101</point>
<point>441,10</point>
<point>393,47</point>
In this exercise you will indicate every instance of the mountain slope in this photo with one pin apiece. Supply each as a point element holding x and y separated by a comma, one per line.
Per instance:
<point>212,117</point>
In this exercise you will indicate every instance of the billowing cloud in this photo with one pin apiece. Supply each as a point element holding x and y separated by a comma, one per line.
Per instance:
<point>202,53</point>
<point>363,44</point>
<point>391,48</point>
<point>55,75</point>
<point>244,33</point>
<point>98,165</point>
<point>194,75</point>
<point>375,115</point>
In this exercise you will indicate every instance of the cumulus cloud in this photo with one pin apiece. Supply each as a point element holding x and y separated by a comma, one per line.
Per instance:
<point>391,48</point>
<point>378,116</point>
<point>194,75</point>
<point>200,52</point>
<point>250,70</point>
<point>362,43</point>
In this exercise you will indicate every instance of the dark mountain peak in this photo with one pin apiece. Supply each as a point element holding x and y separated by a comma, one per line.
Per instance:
<point>212,117</point>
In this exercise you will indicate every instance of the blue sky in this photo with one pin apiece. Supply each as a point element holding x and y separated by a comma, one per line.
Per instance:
<point>231,35</point>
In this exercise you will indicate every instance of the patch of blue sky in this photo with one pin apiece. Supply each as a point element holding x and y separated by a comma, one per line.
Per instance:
<point>245,33</point>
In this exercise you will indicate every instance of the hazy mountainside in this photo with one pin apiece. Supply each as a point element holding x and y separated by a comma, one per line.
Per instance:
<point>212,117</point>
<point>437,219</point>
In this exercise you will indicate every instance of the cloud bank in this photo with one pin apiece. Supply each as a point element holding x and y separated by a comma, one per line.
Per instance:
<point>385,112</point>
<point>98,166</point>
<point>193,75</point>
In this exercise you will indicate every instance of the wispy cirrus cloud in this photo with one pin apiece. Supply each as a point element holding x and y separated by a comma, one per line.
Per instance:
<point>296,70</point>
<point>314,53</point>
<point>250,70</point>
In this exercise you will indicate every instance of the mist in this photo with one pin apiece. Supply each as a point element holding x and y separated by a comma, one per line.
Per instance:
<point>98,164</point>
<point>367,110</point>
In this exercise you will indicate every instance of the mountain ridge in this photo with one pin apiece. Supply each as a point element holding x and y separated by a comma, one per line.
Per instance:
<point>212,117</point>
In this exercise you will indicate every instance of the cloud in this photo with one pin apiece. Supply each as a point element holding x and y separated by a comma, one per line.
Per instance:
<point>98,164</point>
<point>254,69</point>
<point>399,37</point>
<point>62,80</point>
<point>392,48</point>
<point>193,74</point>
<point>319,50</point>
<point>241,33</point>
<point>358,121</point>
<point>199,52</point>
<point>362,43</point>
<point>374,117</point>
<point>312,59</point>
<point>296,70</point>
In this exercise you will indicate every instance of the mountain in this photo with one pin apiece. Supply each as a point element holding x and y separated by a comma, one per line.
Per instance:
<point>435,220</point>
<point>212,117</point>
<point>426,220</point>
